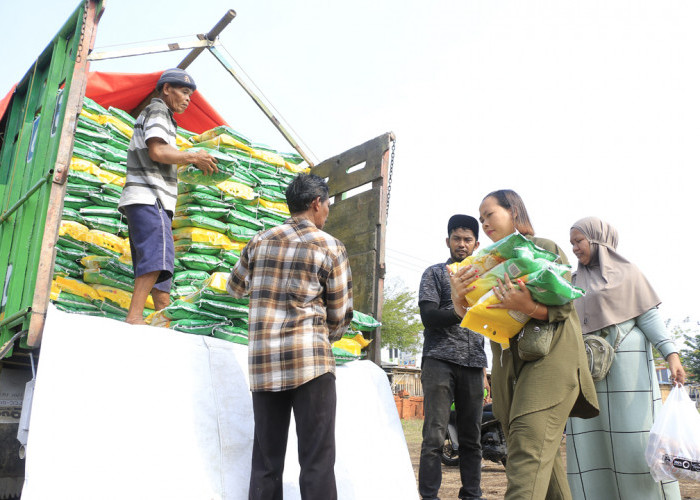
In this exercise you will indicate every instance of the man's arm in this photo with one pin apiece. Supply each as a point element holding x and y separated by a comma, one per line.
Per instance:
<point>431,316</point>
<point>238,283</point>
<point>162,152</point>
<point>339,297</point>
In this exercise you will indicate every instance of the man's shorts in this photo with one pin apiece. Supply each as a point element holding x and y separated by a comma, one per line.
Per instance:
<point>151,241</point>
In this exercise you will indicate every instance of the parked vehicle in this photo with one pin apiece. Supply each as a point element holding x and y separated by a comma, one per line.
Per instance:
<point>37,132</point>
<point>493,441</point>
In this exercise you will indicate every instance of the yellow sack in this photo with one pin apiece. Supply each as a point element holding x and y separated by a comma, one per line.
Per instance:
<point>225,141</point>
<point>217,281</point>
<point>349,345</point>
<point>214,238</point>
<point>90,116</point>
<point>118,296</point>
<point>87,166</point>
<point>120,125</point>
<point>496,324</point>
<point>361,340</point>
<point>55,290</point>
<point>76,287</point>
<point>276,205</point>
<point>269,157</point>
<point>75,230</point>
<point>482,263</point>
<point>182,143</point>
<point>106,240</point>
<point>83,165</point>
<point>94,262</point>
<point>297,169</point>
<point>158,319</point>
<point>237,190</point>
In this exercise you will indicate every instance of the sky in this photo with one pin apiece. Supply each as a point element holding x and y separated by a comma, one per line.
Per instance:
<point>583,108</point>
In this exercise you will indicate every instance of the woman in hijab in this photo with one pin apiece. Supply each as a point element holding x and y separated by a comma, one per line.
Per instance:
<point>605,455</point>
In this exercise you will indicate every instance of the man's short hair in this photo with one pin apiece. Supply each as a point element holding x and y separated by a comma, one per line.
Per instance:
<point>304,189</point>
<point>177,78</point>
<point>463,221</point>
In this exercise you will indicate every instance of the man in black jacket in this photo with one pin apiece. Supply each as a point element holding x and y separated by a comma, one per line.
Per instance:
<point>453,369</point>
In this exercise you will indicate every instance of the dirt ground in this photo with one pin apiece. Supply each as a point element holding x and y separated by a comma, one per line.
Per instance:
<point>493,476</point>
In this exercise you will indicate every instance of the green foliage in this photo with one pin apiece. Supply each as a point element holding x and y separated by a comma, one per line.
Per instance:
<point>401,325</point>
<point>686,335</point>
<point>691,358</point>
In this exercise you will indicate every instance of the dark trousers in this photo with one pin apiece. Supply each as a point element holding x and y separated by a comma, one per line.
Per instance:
<point>314,413</point>
<point>444,383</point>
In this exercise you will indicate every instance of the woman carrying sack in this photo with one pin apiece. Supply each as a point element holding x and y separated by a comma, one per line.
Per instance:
<point>605,455</point>
<point>531,399</point>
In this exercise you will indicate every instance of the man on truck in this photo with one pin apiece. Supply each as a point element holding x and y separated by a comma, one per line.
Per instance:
<point>453,369</point>
<point>150,192</point>
<point>300,287</point>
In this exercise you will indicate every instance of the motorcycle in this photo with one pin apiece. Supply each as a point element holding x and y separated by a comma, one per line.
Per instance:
<point>493,441</point>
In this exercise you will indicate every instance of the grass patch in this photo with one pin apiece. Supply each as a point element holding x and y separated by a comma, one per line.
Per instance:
<point>413,430</point>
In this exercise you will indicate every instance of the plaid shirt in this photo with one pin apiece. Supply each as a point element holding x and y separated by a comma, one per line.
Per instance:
<point>300,290</point>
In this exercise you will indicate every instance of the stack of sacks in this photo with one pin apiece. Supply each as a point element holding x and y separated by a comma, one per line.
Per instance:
<point>521,259</point>
<point>349,348</point>
<point>214,218</point>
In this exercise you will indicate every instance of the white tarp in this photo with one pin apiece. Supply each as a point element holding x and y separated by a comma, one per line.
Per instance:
<point>147,413</point>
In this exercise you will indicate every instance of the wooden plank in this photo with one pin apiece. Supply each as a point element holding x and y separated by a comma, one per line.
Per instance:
<point>335,168</point>
<point>360,222</point>
<point>358,214</point>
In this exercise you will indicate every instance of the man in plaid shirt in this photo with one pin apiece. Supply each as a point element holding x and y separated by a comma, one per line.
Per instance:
<point>300,287</point>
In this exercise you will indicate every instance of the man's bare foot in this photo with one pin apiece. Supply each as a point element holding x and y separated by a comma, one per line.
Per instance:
<point>136,321</point>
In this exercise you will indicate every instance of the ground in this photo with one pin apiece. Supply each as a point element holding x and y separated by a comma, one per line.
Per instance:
<point>493,476</point>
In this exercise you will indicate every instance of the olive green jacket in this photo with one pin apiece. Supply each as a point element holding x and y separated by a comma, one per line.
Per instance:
<point>521,387</point>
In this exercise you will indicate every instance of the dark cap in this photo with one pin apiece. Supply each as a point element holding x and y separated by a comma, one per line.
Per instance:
<point>465,221</point>
<point>175,76</point>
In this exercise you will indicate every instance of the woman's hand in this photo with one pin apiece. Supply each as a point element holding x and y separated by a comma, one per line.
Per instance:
<point>460,285</point>
<point>677,371</point>
<point>517,298</point>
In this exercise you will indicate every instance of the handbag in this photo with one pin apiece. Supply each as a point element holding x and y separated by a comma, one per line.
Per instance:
<point>600,353</point>
<point>535,339</point>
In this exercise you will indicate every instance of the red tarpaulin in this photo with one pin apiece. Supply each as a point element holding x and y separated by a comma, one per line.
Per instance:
<point>127,90</point>
<point>6,101</point>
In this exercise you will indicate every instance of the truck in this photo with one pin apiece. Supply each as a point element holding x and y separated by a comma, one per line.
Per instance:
<point>38,119</point>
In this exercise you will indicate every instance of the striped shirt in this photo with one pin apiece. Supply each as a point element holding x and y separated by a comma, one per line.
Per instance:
<point>300,287</point>
<point>147,180</point>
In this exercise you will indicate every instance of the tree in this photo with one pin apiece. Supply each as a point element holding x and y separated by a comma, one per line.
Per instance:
<point>691,358</point>
<point>686,334</point>
<point>401,325</point>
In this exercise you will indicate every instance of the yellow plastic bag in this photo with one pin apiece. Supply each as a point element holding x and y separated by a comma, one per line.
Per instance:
<point>481,263</point>
<point>214,238</point>
<point>496,324</point>
<point>55,290</point>
<point>269,157</point>
<point>82,165</point>
<point>275,205</point>
<point>225,141</point>
<point>349,345</point>
<point>93,261</point>
<point>118,124</point>
<point>237,190</point>
<point>90,116</point>
<point>75,230</point>
<point>118,296</point>
<point>359,338</point>
<point>182,143</point>
<point>76,287</point>
<point>217,281</point>
<point>106,240</point>
<point>297,169</point>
